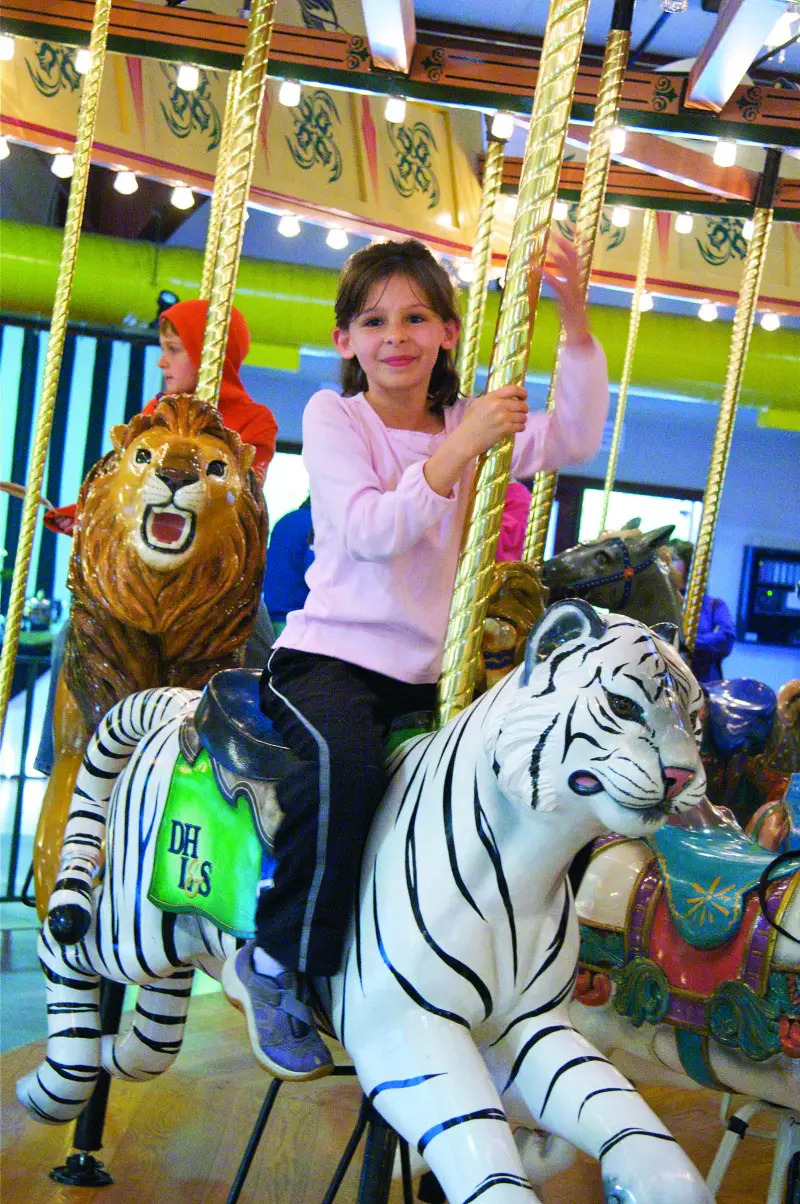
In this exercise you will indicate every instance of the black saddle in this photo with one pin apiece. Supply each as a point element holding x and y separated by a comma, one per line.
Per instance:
<point>233,729</point>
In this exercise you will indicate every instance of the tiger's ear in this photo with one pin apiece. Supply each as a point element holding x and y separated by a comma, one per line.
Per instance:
<point>669,633</point>
<point>568,620</point>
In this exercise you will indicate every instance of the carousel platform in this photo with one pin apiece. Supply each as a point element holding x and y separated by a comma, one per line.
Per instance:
<point>180,1138</point>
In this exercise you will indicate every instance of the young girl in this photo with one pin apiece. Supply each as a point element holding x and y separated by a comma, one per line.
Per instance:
<point>390,462</point>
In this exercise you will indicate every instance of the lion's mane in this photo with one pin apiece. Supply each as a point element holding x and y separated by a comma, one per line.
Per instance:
<point>132,626</point>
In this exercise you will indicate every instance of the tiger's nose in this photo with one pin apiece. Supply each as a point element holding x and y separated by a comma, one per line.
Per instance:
<point>677,779</point>
<point>175,478</point>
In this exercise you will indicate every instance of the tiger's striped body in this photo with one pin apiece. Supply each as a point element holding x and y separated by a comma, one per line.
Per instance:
<point>452,1000</point>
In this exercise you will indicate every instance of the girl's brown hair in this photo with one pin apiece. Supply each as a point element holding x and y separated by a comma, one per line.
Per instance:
<point>376,263</point>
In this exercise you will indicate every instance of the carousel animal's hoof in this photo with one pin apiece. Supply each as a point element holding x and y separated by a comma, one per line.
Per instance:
<point>69,923</point>
<point>27,1087</point>
<point>279,1025</point>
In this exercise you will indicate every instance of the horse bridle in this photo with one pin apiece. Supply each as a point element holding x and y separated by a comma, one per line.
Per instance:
<point>626,573</point>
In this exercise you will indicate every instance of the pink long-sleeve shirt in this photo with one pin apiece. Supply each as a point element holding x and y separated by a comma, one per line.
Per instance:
<point>385,544</point>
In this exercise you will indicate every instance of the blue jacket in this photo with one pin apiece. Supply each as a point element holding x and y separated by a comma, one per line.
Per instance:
<point>288,557</point>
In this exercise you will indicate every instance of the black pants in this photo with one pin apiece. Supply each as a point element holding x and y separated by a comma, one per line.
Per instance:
<point>335,717</point>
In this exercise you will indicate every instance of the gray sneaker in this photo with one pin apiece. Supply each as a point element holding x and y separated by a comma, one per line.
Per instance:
<point>279,1024</point>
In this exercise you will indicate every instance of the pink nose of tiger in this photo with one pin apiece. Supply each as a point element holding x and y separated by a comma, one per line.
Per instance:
<point>677,779</point>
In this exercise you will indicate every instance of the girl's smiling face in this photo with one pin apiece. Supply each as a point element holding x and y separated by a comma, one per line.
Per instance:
<point>396,339</point>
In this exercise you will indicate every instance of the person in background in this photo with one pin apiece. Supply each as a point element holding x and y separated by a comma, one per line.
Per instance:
<point>514,522</point>
<point>291,551</point>
<point>715,628</point>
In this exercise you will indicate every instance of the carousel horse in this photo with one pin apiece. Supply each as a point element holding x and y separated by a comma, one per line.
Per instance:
<point>168,552</point>
<point>776,825</point>
<point>622,572</point>
<point>452,999</point>
<point>751,745</point>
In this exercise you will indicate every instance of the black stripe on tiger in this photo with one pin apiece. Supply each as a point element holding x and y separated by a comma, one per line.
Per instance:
<point>484,830</point>
<point>496,1180</point>
<point>571,1065</point>
<point>528,1046</point>
<point>605,1091</point>
<point>398,1084</point>
<point>443,1126</point>
<point>447,812</point>
<point>410,990</point>
<point>458,967</point>
<point>557,943</point>
<point>625,1133</point>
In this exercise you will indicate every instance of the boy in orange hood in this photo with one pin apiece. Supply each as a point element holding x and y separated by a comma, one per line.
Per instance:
<point>181,329</point>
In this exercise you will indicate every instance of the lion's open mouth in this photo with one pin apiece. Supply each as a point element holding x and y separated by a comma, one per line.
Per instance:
<point>167,529</point>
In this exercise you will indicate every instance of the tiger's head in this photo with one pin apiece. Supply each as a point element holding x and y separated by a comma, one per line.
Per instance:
<point>604,713</point>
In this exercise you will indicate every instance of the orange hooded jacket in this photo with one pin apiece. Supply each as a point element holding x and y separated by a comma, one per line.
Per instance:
<point>254,422</point>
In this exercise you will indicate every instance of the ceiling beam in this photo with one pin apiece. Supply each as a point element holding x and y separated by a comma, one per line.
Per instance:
<point>741,28</point>
<point>391,32</point>
<point>668,159</point>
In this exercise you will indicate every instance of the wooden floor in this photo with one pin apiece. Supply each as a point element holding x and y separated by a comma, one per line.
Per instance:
<point>179,1140</point>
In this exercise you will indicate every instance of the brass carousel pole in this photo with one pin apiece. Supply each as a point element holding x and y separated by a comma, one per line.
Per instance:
<point>587,224</point>
<point>648,226</point>
<point>481,259</point>
<point>740,341</point>
<point>244,137</point>
<point>58,326</point>
<point>538,185</point>
<point>219,191</point>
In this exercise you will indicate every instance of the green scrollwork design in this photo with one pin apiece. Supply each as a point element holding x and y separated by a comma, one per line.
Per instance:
<point>783,993</point>
<point>642,992</point>
<point>663,94</point>
<point>602,948</point>
<point>413,167</point>
<point>739,1019</point>
<point>434,63</point>
<point>319,14</point>
<point>723,240</point>
<point>186,112</point>
<point>617,233</point>
<point>314,138</point>
<point>53,69</point>
<point>749,103</point>
<point>358,55</point>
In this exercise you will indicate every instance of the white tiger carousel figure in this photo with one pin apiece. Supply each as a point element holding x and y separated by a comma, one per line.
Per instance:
<point>452,999</point>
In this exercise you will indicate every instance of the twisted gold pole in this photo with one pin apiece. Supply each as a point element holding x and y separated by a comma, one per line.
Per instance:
<point>232,219</point>
<point>648,226</point>
<point>587,225</point>
<point>219,191</point>
<point>740,341</point>
<point>538,184</point>
<point>481,259</point>
<point>52,365</point>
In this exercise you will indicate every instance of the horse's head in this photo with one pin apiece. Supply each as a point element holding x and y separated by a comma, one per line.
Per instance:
<point>602,720</point>
<point>621,572</point>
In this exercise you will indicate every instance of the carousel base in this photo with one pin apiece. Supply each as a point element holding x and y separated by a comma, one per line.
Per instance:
<point>181,1138</point>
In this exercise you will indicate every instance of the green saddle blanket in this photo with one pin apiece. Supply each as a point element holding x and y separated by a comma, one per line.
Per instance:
<point>210,860</point>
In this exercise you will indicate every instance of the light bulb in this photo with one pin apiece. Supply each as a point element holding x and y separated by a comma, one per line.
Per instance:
<point>466,271</point>
<point>5,149</point>
<point>337,238</point>
<point>289,93</point>
<point>725,152</point>
<point>560,211</point>
<point>188,77</point>
<point>503,126</point>
<point>6,47</point>
<point>182,197</point>
<point>616,139</point>
<point>646,302</point>
<point>83,61</point>
<point>769,322</point>
<point>684,223</point>
<point>63,165</point>
<point>747,228</point>
<point>674,6</point>
<point>620,215</point>
<point>125,182</point>
<point>707,311</point>
<point>395,110</point>
<point>289,225</point>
